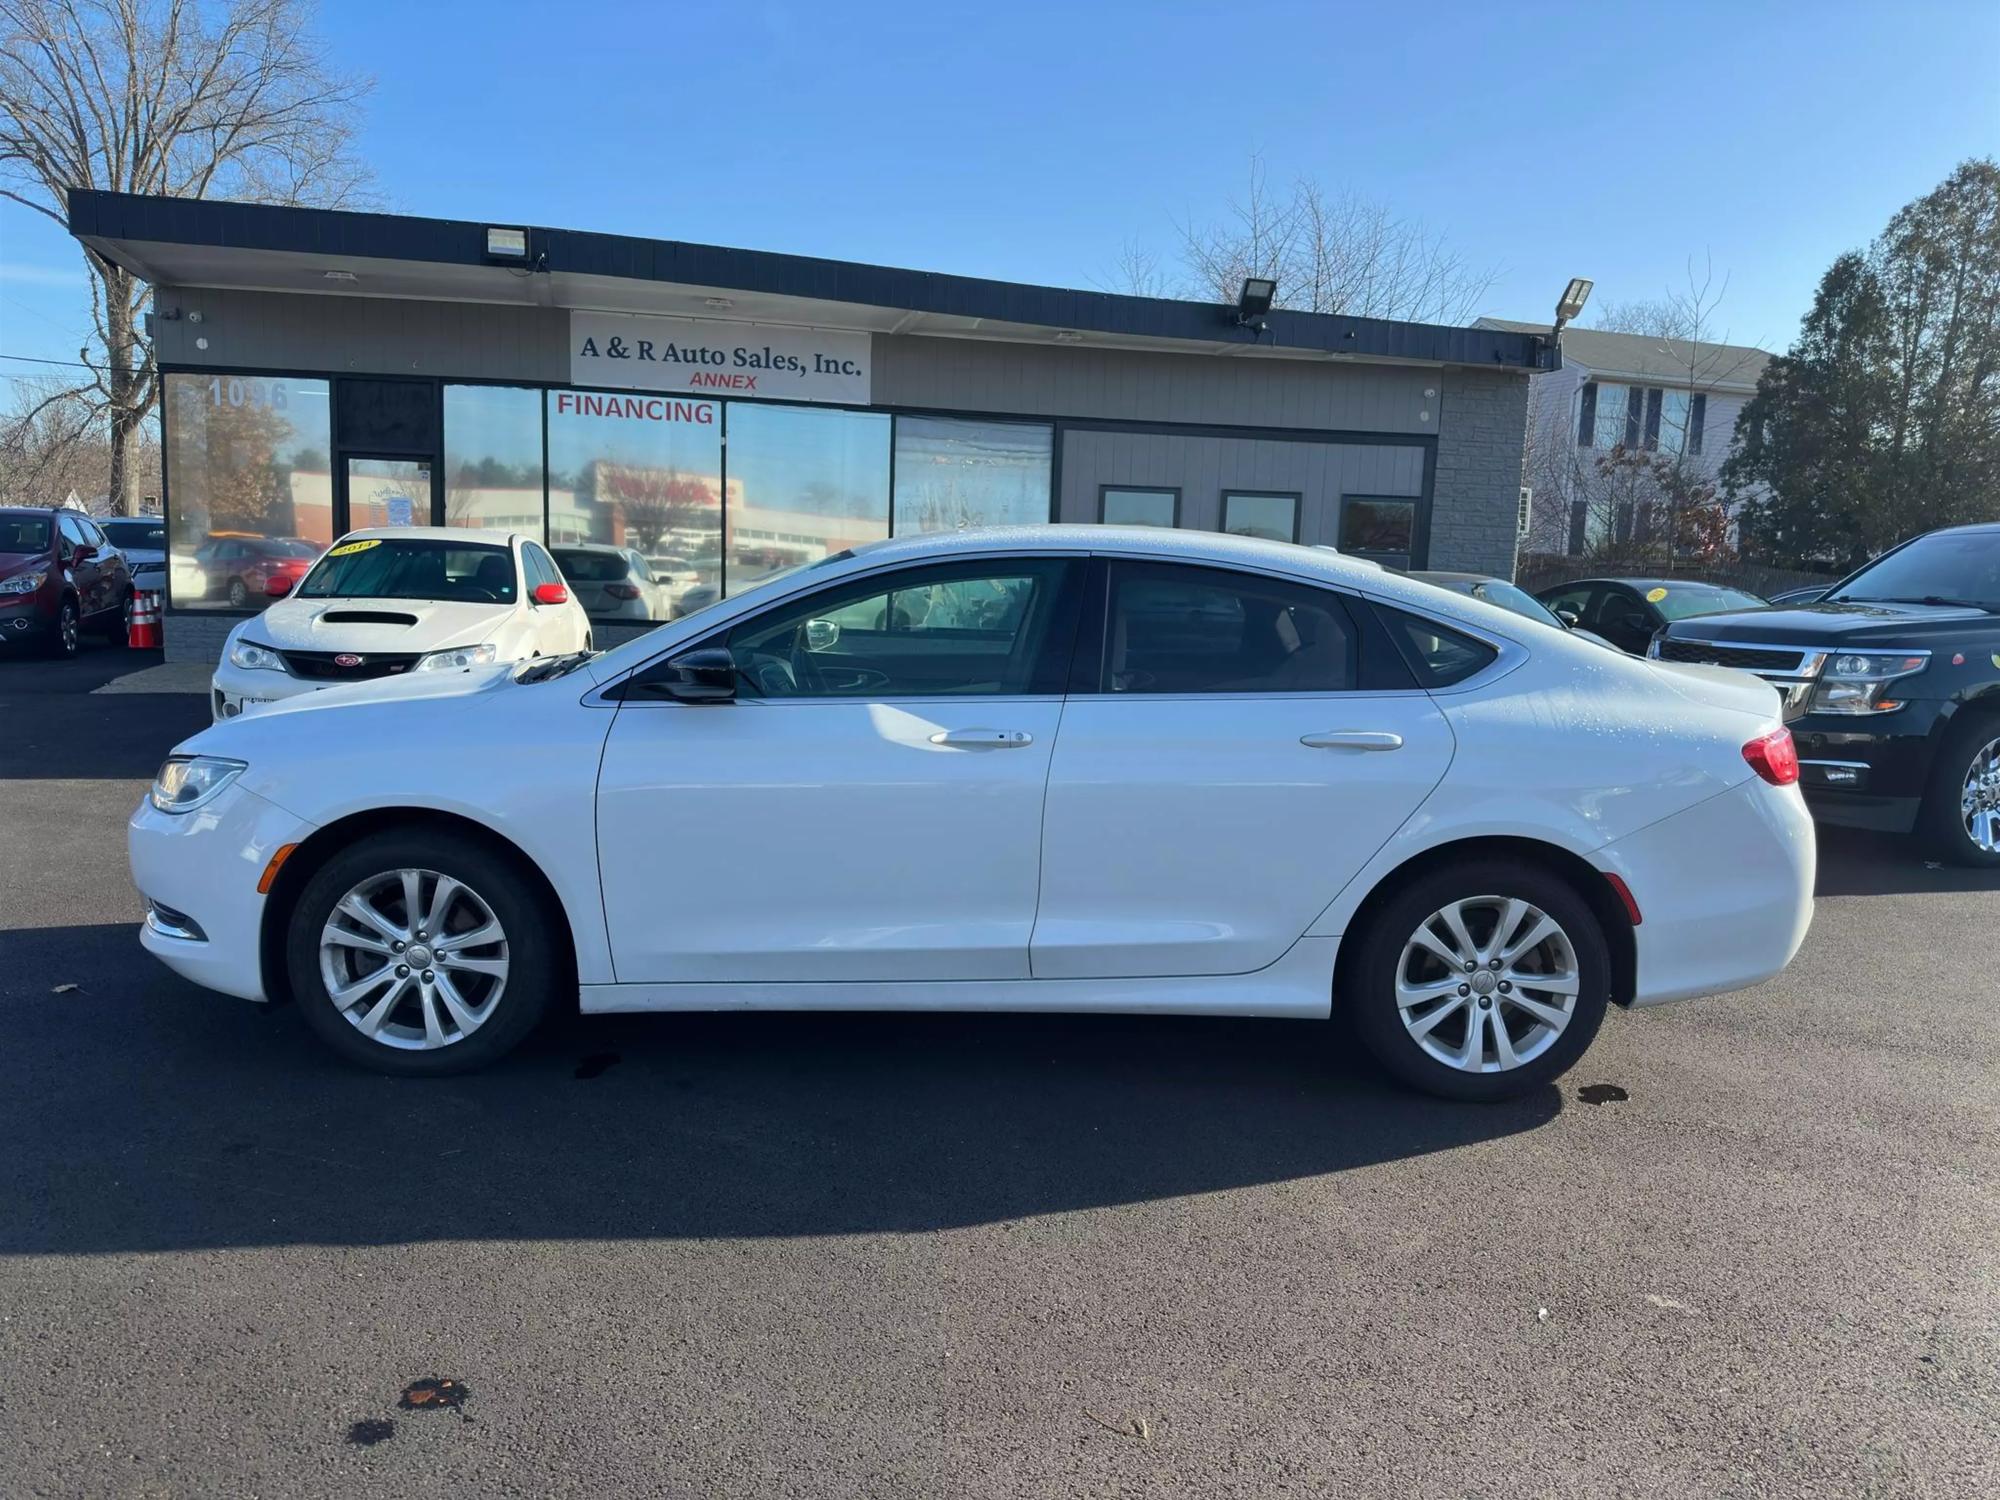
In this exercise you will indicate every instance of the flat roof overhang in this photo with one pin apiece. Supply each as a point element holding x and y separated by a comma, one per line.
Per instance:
<point>188,242</point>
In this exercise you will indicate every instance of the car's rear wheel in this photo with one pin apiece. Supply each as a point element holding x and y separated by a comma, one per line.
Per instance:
<point>1480,981</point>
<point>419,955</point>
<point>238,594</point>
<point>1961,812</point>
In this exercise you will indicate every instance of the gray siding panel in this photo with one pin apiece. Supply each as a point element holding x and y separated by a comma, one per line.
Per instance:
<point>1203,467</point>
<point>1135,386</point>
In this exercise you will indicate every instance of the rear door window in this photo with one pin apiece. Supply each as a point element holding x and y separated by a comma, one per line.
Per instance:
<point>1176,629</point>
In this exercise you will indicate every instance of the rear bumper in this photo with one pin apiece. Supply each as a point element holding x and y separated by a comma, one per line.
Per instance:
<point>1724,889</point>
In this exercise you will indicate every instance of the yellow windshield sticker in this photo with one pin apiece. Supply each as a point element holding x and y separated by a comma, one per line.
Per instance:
<point>1656,596</point>
<point>350,547</point>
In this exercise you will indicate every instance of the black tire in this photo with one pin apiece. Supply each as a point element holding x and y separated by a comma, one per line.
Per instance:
<point>66,636</point>
<point>1369,1003</point>
<point>1941,822</point>
<point>533,963</point>
<point>117,621</point>
<point>238,594</point>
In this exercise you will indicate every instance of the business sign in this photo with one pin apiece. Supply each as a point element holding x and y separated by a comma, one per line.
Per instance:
<point>709,358</point>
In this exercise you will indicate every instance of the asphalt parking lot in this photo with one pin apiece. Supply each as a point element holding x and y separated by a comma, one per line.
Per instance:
<point>989,1256</point>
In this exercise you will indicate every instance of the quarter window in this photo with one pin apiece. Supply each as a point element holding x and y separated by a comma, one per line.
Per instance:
<point>1438,656</point>
<point>1172,629</point>
<point>959,630</point>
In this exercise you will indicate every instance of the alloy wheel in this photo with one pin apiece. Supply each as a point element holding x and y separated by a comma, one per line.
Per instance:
<point>414,959</point>
<point>1487,984</point>
<point>1980,800</point>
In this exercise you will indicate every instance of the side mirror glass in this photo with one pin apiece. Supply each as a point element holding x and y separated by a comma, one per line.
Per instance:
<point>1569,617</point>
<point>551,593</point>
<point>704,676</point>
<point>279,586</point>
<point>84,553</point>
<point>821,635</point>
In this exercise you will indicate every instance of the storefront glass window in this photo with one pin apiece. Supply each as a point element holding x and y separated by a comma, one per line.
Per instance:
<point>1275,518</point>
<point>635,500</point>
<point>493,458</point>
<point>804,482</point>
<point>952,474</point>
<point>1140,507</point>
<point>249,488</point>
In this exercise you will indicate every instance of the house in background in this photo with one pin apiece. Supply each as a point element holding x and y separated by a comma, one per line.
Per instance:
<point>1674,398</point>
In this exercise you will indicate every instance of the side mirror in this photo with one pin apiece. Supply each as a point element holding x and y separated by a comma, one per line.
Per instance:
<point>1569,617</point>
<point>821,635</point>
<point>704,676</point>
<point>279,586</point>
<point>85,552</point>
<point>551,593</point>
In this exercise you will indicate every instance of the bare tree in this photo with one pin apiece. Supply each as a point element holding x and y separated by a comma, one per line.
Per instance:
<point>1329,251</point>
<point>172,97</point>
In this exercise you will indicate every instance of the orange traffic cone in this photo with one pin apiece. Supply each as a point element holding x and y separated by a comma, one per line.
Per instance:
<point>142,627</point>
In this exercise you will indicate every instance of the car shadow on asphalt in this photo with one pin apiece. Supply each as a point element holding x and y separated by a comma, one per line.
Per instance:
<point>1856,863</point>
<point>144,1115</point>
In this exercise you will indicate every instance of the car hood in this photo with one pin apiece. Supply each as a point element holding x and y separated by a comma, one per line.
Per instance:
<point>1832,624</point>
<point>366,626</point>
<point>21,562</point>
<point>468,682</point>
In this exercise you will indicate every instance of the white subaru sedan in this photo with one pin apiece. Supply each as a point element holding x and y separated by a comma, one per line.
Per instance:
<point>398,600</point>
<point>1052,769</point>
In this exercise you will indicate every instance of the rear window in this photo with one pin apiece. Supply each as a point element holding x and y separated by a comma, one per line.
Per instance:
<point>591,567</point>
<point>1683,601</point>
<point>1438,656</point>
<point>144,535</point>
<point>414,568</point>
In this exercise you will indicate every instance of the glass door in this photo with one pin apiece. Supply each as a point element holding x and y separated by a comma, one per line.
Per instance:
<point>387,492</point>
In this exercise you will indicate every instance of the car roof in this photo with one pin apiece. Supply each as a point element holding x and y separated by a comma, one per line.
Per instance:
<point>1440,575</point>
<point>32,510</point>
<point>477,535</point>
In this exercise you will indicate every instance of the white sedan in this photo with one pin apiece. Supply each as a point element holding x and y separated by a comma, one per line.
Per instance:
<point>1057,769</point>
<point>410,599</point>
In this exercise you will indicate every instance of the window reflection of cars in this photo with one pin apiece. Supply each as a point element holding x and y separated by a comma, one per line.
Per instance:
<point>613,583</point>
<point>247,571</point>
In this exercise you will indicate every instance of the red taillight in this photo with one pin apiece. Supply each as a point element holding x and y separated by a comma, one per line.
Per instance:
<point>622,590</point>
<point>1774,757</point>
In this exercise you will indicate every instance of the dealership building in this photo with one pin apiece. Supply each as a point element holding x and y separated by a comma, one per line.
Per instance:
<point>677,420</point>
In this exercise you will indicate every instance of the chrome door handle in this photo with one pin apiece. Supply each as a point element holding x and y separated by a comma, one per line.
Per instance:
<point>1352,739</point>
<point>983,739</point>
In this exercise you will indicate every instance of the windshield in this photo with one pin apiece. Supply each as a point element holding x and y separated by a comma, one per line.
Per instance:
<point>1950,566</point>
<point>385,568</point>
<point>24,534</point>
<point>1507,597</point>
<point>1680,601</point>
<point>140,534</point>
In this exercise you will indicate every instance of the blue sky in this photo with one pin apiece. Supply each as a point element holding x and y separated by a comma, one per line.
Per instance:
<point>1033,141</point>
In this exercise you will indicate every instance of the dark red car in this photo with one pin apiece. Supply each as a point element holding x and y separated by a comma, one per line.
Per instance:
<point>247,572</point>
<point>59,576</point>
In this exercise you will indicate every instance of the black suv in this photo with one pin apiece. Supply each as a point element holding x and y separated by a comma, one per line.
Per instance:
<point>1891,684</point>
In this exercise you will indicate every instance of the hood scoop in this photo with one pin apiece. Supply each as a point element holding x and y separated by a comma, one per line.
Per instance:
<point>366,617</point>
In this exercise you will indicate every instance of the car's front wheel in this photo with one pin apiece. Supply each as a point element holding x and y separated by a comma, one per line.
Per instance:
<point>1961,811</point>
<point>1480,981</point>
<point>419,955</point>
<point>68,633</point>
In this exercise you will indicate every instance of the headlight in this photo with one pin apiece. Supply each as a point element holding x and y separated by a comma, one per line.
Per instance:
<point>255,658</point>
<point>458,658</point>
<point>186,782</point>
<point>23,583</point>
<point>1856,683</point>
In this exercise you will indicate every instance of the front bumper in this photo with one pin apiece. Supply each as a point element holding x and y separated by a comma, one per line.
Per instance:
<point>1868,772</point>
<point>26,617</point>
<point>199,871</point>
<point>1724,890</point>
<point>233,691</point>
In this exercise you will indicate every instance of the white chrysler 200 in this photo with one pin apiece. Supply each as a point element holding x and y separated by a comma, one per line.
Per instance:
<point>1059,769</point>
